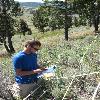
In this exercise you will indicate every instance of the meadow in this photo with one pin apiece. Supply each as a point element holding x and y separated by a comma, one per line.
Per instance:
<point>77,61</point>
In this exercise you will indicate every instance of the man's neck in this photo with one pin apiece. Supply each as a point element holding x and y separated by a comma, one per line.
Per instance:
<point>27,51</point>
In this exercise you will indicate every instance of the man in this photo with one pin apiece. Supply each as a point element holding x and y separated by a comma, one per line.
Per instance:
<point>26,69</point>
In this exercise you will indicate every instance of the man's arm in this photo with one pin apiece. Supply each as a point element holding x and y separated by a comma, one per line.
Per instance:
<point>19,72</point>
<point>42,68</point>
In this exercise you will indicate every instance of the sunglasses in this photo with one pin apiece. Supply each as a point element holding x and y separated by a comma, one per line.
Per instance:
<point>35,48</point>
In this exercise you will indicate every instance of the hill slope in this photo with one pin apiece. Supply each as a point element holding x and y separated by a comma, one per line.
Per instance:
<point>30,4</point>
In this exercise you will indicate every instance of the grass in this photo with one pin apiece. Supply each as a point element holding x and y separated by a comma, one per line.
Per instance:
<point>55,39</point>
<point>81,54</point>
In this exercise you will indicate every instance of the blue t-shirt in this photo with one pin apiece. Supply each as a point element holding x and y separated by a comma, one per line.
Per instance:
<point>26,62</point>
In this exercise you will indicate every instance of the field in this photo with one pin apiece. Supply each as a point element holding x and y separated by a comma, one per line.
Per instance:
<point>77,61</point>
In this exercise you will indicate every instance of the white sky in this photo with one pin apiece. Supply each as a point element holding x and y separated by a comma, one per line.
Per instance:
<point>29,0</point>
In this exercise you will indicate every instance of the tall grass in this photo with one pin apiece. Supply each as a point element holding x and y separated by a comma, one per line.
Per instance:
<point>79,55</point>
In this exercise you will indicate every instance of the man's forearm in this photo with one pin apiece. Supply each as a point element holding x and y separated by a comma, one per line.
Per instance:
<point>42,68</point>
<point>23,73</point>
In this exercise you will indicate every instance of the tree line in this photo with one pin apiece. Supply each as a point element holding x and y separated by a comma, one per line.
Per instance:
<point>51,15</point>
<point>57,14</point>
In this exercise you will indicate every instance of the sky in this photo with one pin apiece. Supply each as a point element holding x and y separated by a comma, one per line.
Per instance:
<point>29,0</point>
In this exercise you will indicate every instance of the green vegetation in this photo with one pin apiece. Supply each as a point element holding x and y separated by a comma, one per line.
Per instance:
<point>55,14</point>
<point>74,57</point>
<point>77,60</point>
<point>8,9</point>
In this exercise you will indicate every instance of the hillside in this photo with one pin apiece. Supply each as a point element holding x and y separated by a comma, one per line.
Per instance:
<point>77,62</point>
<point>30,4</point>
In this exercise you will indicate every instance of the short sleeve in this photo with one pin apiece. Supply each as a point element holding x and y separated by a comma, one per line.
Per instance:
<point>17,62</point>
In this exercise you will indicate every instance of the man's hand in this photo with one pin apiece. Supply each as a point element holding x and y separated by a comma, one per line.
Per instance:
<point>43,68</point>
<point>37,71</point>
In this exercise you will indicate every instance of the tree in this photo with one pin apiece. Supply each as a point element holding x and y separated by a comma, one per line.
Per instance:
<point>7,22</point>
<point>23,27</point>
<point>90,10</point>
<point>66,11</point>
<point>55,15</point>
<point>60,13</point>
<point>40,18</point>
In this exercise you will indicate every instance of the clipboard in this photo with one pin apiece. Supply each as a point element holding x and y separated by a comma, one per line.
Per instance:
<point>50,72</point>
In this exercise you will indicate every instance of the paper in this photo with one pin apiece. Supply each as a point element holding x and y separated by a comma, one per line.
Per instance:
<point>48,73</point>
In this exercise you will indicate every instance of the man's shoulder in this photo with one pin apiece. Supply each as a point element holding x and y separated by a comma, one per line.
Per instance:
<point>18,55</point>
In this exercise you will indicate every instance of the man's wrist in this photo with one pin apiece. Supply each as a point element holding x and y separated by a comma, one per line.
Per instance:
<point>33,72</point>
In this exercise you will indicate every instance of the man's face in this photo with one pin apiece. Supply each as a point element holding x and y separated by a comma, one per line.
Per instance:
<point>35,48</point>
